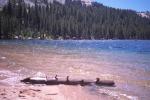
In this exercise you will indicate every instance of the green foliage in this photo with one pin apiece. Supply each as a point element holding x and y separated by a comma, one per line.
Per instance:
<point>71,21</point>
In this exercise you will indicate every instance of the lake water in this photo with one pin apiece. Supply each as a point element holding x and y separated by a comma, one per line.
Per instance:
<point>127,62</point>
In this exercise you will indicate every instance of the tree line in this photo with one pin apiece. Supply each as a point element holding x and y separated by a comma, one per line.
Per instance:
<point>71,20</point>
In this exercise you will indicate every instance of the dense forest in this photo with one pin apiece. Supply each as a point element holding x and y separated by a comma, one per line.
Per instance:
<point>71,20</point>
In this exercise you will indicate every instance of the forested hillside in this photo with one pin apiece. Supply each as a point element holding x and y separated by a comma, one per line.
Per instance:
<point>71,20</point>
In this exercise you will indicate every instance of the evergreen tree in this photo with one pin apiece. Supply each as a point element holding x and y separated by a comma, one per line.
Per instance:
<point>70,21</point>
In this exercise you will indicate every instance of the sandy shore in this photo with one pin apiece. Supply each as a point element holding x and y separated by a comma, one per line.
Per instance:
<point>48,93</point>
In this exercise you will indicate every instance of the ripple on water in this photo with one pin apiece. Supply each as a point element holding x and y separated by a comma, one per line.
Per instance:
<point>117,94</point>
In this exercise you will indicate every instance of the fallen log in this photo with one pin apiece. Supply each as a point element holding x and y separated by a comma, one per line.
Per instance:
<point>56,81</point>
<point>34,80</point>
<point>104,82</point>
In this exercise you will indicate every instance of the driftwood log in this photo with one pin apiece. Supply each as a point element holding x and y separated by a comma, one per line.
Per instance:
<point>56,81</point>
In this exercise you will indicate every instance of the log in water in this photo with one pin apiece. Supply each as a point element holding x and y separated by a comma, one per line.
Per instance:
<point>56,81</point>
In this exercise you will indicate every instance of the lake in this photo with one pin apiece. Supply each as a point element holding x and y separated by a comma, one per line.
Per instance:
<point>127,62</point>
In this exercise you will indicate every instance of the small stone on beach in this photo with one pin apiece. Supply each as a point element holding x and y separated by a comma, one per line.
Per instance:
<point>52,94</point>
<point>3,94</point>
<point>37,90</point>
<point>3,58</point>
<point>21,95</point>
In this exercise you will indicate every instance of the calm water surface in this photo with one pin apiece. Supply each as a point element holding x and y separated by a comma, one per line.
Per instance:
<point>127,62</point>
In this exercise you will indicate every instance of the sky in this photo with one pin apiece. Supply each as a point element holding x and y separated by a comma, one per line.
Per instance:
<point>138,5</point>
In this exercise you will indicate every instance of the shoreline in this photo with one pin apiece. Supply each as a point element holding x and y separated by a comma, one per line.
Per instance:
<point>76,39</point>
<point>43,92</point>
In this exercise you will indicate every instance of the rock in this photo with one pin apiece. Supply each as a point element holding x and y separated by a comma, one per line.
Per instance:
<point>21,95</point>
<point>20,92</point>
<point>3,94</point>
<point>3,58</point>
<point>36,90</point>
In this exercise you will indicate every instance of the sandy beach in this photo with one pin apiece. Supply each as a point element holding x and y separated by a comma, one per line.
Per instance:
<point>47,93</point>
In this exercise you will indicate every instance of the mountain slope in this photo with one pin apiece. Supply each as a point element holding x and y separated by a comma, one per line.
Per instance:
<point>42,2</point>
<point>71,20</point>
<point>144,14</point>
